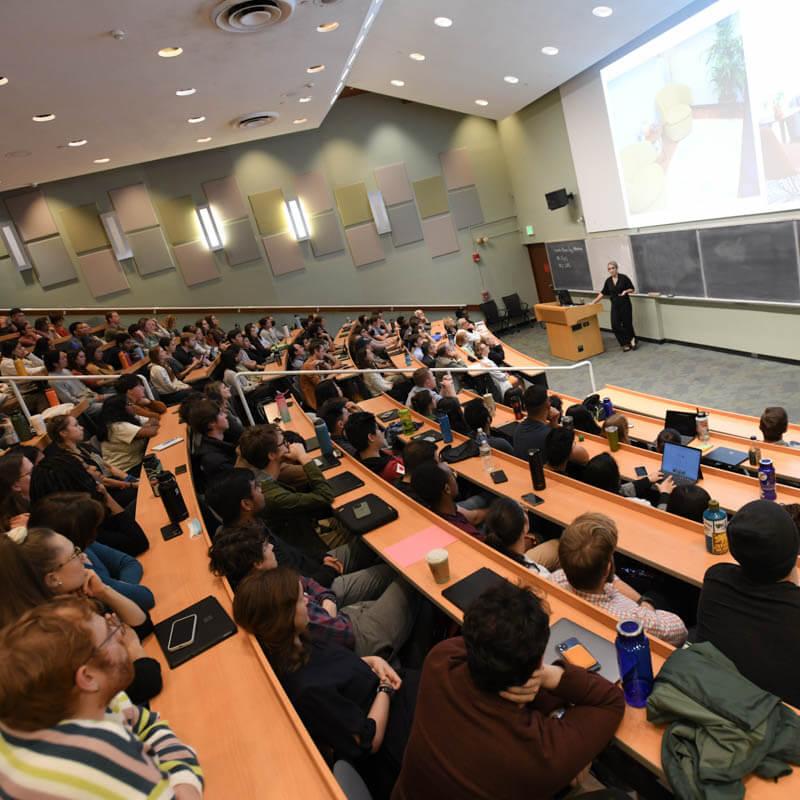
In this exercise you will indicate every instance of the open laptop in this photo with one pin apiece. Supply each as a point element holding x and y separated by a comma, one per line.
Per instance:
<point>681,463</point>
<point>684,422</point>
<point>602,649</point>
<point>725,457</point>
<point>564,298</point>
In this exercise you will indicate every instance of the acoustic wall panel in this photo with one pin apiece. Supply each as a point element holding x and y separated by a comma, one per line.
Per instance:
<point>150,251</point>
<point>31,215</point>
<point>365,244</point>
<point>353,204</point>
<point>393,183</point>
<point>239,243</point>
<point>284,253</point>
<point>314,193</point>
<point>466,207</point>
<point>431,196</point>
<point>196,263</point>
<point>326,237</point>
<point>51,262</point>
<point>84,229</point>
<point>179,218</point>
<point>103,273</point>
<point>440,235</point>
<point>457,168</point>
<point>134,207</point>
<point>225,199</point>
<point>405,224</point>
<point>269,209</point>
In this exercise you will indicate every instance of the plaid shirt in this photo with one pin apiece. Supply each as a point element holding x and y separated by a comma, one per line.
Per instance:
<point>324,627</point>
<point>663,624</point>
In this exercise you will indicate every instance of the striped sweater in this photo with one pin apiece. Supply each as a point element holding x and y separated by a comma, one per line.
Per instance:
<point>129,754</point>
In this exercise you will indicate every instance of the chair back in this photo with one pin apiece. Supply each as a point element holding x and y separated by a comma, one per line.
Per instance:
<point>490,312</point>
<point>350,782</point>
<point>513,304</point>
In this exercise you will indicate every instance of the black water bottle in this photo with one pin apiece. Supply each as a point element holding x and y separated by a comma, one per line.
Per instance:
<point>171,497</point>
<point>536,464</point>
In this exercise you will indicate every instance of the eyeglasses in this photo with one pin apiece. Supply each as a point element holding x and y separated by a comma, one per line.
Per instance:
<point>283,443</point>
<point>75,553</point>
<point>114,626</point>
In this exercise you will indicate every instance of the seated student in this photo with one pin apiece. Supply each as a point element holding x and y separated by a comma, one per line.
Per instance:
<point>327,390</point>
<point>688,501</point>
<point>140,404</point>
<point>773,425</point>
<point>335,413</point>
<point>436,485</point>
<point>358,708</point>
<point>81,336</point>
<point>416,452</point>
<point>564,454</point>
<point>508,530</point>
<point>63,671</point>
<point>57,321</point>
<point>268,332</point>
<point>602,471</point>
<point>531,433</point>
<point>297,356</point>
<point>749,610</point>
<point>621,424</point>
<point>222,395</point>
<point>255,346</point>
<point>256,392</point>
<point>113,325</point>
<point>244,354</point>
<point>367,438</point>
<point>484,724</point>
<point>315,361</point>
<point>185,353</point>
<point>502,380</point>
<point>423,379</point>
<point>451,407</point>
<point>213,455</point>
<point>171,390</point>
<point>78,517</point>
<point>13,352</point>
<point>124,344</point>
<point>478,416</point>
<point>71,391</point>
<point>447,358</point>
<point>15,490</point>
<point>668,435</point>
<point>583,420</point>
<point>586,552</point>
<point>123,435</point>
<point>422,403</point>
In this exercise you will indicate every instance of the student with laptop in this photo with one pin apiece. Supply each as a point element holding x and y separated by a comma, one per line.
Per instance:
<point>681,463</point>
<point>602,472</point>
<point>684,422</point>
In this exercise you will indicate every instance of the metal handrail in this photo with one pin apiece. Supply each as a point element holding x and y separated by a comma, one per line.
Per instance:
<point>15,379</point>
<point>272,374</point>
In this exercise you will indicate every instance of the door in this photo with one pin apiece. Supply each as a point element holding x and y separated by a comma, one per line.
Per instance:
<point>542,276</point>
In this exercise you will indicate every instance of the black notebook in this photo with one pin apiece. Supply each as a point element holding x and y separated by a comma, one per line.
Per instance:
<point>463,593</point>
<point>193,631</point>
<point>344,482</point>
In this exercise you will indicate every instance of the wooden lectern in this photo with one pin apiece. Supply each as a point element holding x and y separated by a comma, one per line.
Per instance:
<point>573,331</point>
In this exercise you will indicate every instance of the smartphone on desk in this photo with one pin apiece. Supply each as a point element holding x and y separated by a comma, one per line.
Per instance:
<point>641,472</point>
<point>575,653</point>
<point>532,499</point>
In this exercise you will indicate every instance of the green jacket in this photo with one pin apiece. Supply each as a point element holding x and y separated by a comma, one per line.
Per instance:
<point>722,727</point>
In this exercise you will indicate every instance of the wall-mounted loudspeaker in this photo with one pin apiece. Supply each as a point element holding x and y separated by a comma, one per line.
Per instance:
<point>558,199</point>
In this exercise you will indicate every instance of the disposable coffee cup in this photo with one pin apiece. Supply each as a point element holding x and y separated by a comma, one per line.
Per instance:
<point>286,331</point>
<point>38,424</point>
<point>439,562</point>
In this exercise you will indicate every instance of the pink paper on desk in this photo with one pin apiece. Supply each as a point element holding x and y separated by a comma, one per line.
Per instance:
<point>416,547</point>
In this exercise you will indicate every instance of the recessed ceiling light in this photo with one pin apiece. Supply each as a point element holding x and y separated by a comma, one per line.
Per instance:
<point>185,92</point>
<point>77,143</point>
<point>602,11</point>
<point>170,52</point>
<point>102,160</point>
<point>300,121</point>
<point>304,100</point>
<point>203,139</point>
<point>327,27</point>
<point>195,120</point>
<point>43,117</point>
<point>3,80</point>
<point>511,79</point>
<point>550,51</point>
<point>315,68</point>
<point>397,83</point>
<point>416,56</point>
<point>443,22</point>
<point>481,102</point>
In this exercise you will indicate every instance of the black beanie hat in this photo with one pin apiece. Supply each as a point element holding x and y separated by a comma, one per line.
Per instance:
<point>764,540</point>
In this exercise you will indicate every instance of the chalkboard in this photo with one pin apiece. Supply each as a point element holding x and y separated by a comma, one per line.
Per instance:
<point>751,262</point>
<point>569,265</point>
<point>668,263</point>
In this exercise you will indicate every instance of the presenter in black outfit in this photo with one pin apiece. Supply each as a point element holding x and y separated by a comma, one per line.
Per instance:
<point>617,287</point>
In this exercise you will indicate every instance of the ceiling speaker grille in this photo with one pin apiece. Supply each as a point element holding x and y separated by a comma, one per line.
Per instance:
<point>251,16</point>
<point>255,120</point>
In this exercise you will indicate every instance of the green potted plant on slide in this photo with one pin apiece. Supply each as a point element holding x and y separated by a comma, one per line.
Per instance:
<point>725,59</point>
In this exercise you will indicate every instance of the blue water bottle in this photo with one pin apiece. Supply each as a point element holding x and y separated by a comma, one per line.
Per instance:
<point>635,663</point>
<point>323,436</point>
<point>408,359</point>
<point>444,427</point>
<point>608,407</point>
<point>766,477</point>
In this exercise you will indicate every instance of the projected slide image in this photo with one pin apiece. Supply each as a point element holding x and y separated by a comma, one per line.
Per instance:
<point>681,124</point>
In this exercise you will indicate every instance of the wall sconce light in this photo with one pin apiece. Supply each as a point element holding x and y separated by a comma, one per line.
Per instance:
<point>15,247</point>
<point>379,213</point>
<point>119,241</point>
<point>209,227</point>
<point>298,220</point>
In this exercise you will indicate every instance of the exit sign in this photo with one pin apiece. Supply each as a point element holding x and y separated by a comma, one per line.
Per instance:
<point>529,230</point>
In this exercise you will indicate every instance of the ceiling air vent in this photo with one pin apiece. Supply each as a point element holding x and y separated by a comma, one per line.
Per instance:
<point>255,120</point>
<point>251,16</point>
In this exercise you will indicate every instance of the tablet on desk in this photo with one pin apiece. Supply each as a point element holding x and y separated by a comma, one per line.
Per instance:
<point>169,443</point>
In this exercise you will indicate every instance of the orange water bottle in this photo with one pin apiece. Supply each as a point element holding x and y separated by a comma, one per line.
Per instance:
<point>19,365</point>
<point>124,360</point>
<point>52,397</point>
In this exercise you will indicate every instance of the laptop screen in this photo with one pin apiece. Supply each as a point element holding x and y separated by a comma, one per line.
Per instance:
<point>682,421</point>
<point>680,460</point>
